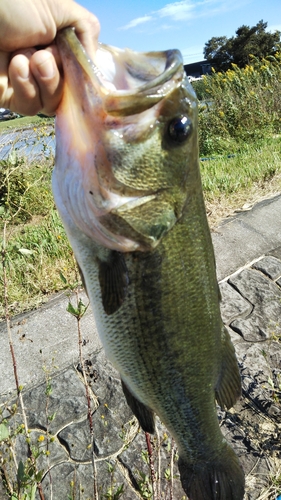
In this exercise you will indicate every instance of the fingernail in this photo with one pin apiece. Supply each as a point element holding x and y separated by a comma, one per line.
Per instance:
<point>23,70</point>
<point>46,68</point>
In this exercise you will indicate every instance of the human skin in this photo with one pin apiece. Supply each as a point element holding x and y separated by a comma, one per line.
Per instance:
<point>31,79</point>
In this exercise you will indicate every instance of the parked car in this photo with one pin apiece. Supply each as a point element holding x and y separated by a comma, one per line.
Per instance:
<point>193,78</point>
<point>6,114</point>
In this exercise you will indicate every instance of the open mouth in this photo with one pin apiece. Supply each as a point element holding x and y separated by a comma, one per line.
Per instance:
<point>126,81</point>
<point>109,129</point>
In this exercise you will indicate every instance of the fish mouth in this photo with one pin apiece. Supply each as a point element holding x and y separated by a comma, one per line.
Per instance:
<point>127,82</point>
<point>111,104</point>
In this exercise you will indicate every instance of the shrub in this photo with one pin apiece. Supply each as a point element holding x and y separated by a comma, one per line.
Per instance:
<point>242,105</point>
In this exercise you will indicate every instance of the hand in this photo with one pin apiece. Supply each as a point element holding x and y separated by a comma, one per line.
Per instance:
<point>30,79</point>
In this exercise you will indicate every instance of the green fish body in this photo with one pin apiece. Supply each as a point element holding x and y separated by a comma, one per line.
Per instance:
<point>127,185</point>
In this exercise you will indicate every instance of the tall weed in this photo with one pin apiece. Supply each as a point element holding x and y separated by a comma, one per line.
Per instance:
<point>32,239</point>
<point>243,105</point>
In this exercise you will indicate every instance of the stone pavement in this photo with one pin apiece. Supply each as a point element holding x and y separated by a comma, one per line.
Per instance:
<point>248,254</point>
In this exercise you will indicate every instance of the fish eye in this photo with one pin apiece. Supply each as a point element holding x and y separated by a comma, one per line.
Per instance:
<point>179,129</point>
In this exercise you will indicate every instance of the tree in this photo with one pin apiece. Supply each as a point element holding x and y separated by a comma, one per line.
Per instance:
<point>218,51</point>
<point>222,51</point>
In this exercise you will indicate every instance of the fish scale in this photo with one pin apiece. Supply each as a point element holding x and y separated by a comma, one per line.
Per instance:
<point>136,220</point>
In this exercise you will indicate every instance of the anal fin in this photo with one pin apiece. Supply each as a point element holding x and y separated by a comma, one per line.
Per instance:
<point>228,387</point>
<point>144,414</point>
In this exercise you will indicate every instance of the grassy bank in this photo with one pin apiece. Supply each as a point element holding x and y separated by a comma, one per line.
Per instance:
<point>238,182</point>
<point>37,253</point>
<point>35,250</point>
<point>24,122</point>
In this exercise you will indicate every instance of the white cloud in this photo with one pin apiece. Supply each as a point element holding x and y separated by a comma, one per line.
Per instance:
<point>135,22</point>
<point>177,10</point>
<point>184,10</point>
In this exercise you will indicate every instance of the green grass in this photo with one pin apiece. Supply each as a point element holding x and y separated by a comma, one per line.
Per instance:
<point>25,121</point>
<point>36,250</point>
<point>255,163</point>
<point>25,191</point>
<point>36,257</point>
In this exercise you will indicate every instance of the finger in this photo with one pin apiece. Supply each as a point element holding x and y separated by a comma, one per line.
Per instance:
<point>86,26</point>
<point>88,31</point>
<point>5,90</point>
<point>46,74</point>
<point>35,81</point>
<point>25,97</point>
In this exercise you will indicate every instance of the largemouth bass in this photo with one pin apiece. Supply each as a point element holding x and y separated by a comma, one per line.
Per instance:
<point>127,186</point>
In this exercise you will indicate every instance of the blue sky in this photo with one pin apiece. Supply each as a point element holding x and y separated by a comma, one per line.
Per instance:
<point>148,25</point>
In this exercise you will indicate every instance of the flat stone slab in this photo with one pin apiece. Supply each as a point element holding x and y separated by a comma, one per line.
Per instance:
<point>242,238</point>
<point>57,415</point>
<point>265,296</point>
<point>270,266</point>
<point>46,337</point>
<point>233,305</point>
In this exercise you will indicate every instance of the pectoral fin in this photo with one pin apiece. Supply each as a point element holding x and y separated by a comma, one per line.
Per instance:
<point>144,414</point>
<point>228,388</point>
<point>114,281</point>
